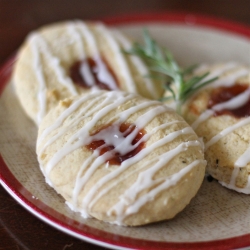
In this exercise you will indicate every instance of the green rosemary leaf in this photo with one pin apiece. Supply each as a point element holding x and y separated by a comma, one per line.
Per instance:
<point>168,87</point>
<point>190,84</point>
<point>189,70</point>
<point>166,98</point>
<point>162,62</point>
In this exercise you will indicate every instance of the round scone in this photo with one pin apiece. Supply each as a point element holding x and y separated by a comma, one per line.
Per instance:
<point>64,59</point>
<point>220,114</point>
<point>120,158</point>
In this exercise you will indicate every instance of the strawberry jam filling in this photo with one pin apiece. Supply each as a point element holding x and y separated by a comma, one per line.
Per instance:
<point>121,141</point>
<point>223,94</point>
<point>89,73</point>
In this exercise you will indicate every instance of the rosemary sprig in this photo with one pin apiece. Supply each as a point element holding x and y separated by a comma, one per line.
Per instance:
<point>162,63</point>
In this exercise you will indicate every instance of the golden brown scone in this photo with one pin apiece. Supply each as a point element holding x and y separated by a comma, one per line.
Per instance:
<point>219,113</point>
<point>120,158</point>
<point>56,57</point>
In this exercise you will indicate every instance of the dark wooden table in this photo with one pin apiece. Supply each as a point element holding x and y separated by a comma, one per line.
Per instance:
<point>18,228</point>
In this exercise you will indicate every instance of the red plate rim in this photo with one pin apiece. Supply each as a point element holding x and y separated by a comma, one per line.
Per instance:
<point>184,18</point>
<point>96,236</point>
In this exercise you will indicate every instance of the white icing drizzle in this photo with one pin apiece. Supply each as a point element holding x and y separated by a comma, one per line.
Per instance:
<point>40,77</point>
<point>203,117</point>
<point>123,145</point>
<point>127,206</point>
<point>102,71</point>
<point>231,185</point>
<point>119,57</point>
<point>221,71</point>
<point>60,119</point>
<point>243,160</point>
<point>226,131</point>
<point>76,37</point>
<point>84,68</point>
<point>229,79</point>
<point>89,37</point>
<point>54,62</point>
<point>217,72</point>
<point>39,45</point>
<point>234,103</point>
<point>138,63</point>
<point>63,116</point>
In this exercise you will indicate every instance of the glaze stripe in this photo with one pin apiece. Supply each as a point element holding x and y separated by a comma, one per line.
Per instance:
<point>138,64</point>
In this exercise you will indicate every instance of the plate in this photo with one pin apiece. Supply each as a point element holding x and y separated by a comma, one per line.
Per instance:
<point>217,218</point>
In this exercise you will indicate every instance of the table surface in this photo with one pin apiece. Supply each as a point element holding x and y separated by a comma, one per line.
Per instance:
<point>18,228</point>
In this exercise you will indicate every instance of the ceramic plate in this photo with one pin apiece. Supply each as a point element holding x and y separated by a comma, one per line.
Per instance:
<point>217,218</point>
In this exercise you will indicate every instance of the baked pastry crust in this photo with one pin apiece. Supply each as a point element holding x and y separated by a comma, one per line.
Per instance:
<point>42,70</point>
<point>226,136</point>
<point>152,185</point>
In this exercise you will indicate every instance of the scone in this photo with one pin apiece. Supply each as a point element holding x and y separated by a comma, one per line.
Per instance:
<point>219,114</point>
<point>120,158</point>
<point>64,59</point>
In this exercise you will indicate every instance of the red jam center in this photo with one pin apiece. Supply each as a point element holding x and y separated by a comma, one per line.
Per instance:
<point>85,71</point>
<point>223,94</point>
<point>117,132</point>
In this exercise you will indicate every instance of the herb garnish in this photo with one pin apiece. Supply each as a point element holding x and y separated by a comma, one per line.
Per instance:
<point>163,65</point>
